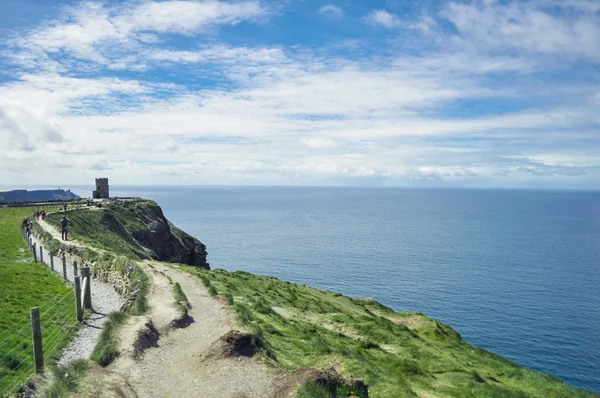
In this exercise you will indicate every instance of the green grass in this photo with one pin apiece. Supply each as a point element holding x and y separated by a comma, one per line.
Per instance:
<point>60,381</point>
<point>102,229</point>
<point>107,350</point>
<point>181,301</point>
<point>397,354</point>
<point>23,286</point>
<point>310,389</point>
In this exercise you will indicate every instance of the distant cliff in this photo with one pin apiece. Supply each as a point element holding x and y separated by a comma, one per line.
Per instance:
<point>136,230</point>
<point>23,195</point>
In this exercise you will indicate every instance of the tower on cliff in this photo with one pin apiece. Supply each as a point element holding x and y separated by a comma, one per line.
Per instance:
<point>101,191</point>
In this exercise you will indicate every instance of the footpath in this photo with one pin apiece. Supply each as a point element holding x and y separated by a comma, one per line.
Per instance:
<point>158,359</point>
<point>104,301</point>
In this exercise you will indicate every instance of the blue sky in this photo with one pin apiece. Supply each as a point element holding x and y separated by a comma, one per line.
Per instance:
<point>478,93</point>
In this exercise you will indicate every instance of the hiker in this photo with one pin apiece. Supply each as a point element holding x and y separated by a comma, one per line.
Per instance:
<point>64,223</point>
<point>43,215</point>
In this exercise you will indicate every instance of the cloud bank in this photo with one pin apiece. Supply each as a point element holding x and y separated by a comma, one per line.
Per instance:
<point>477,93</point>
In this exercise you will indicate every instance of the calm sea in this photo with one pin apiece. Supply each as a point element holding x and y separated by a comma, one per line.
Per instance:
<point>515,272</point>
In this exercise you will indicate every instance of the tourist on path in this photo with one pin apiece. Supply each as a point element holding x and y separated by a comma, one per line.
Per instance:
<point>64,223</point>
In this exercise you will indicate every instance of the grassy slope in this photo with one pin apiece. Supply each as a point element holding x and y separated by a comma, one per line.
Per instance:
<point>305,327</point>
<point>22,286</point>
<point>100,228</point>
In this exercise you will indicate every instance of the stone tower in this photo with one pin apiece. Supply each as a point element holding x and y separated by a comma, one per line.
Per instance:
<point>101,191</point>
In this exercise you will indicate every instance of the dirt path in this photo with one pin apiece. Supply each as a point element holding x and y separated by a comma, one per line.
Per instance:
<point>179,365</point>
<point>179,358</point>
<point>58,236</point>
<point>104,301</point>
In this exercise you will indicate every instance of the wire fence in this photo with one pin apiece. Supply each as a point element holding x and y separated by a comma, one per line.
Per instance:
<point>57,321</point>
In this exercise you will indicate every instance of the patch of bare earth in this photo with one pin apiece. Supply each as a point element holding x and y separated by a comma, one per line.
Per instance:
<point>190,361</point>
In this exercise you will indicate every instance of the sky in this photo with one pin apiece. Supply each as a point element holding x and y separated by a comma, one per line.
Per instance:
<point>483,93</point>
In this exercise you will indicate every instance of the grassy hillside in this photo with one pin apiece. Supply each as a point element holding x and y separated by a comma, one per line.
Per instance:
<point>397,354</point>
<point>24,285</point>
<point>136,230</point>
<point>102,229</point>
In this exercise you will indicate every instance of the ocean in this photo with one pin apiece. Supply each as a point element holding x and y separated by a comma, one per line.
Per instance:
<point>516,272</point>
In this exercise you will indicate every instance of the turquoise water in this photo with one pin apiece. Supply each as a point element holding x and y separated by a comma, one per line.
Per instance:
<point>516,272</point>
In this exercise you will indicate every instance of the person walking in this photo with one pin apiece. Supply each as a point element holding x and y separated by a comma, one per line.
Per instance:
<point>64,223</point>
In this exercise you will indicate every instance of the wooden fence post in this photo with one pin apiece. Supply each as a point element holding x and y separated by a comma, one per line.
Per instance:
<point>78,309</point>
<point>64,261</point>
<point>41,254</point>
<point>51,262</point>
<point>34,253</point>
<point>38,352</point>
<point>87,297</point>
<point>74,268</point>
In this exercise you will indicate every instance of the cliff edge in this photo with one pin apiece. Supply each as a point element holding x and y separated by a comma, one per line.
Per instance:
<point>137,230</point>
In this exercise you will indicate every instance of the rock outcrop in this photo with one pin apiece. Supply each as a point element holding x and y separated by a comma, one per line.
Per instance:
<point>144,226</point>
<point>164,241</point>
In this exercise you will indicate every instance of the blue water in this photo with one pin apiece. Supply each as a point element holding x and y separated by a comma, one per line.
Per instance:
<point>515,272</point>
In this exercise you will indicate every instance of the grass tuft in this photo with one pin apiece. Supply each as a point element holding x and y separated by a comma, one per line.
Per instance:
<point>181,301</point>
<point>61,381</point>
<point>106,350</point>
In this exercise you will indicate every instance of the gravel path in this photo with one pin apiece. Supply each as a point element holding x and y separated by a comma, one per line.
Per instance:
<point>104,301</point>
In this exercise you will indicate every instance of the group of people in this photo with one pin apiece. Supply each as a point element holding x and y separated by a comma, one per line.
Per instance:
<point>64,223</point>
<point>39,214</point>
<point>26,224</point>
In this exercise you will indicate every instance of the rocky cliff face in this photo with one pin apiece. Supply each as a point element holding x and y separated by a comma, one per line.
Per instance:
<point>163,240</point>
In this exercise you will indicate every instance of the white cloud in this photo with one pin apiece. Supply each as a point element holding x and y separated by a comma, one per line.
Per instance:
<point>332,11</point>
<point>319,143</point>
<point>378,113</point>
<point>220,53</point>
<point>54,93</point>
<point>528,26</point>
<point>383,18</point>
<point>188,17</point>
<point>25,129</point>
<point>97,31</point>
